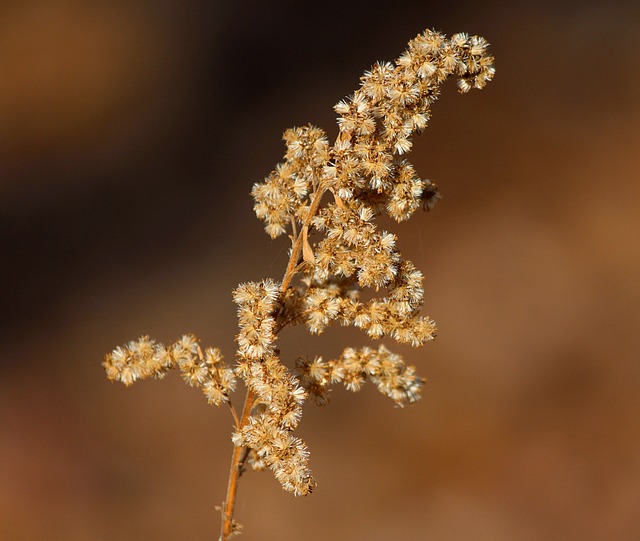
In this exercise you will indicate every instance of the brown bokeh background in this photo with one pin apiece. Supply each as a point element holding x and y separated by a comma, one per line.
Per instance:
<point>130,135</point>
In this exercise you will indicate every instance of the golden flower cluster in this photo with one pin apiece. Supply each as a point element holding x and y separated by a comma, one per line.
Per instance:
<point>385,369</point>
<point>364,175</point>
<point>144,358</point>
<point>278,394</point>
<point>326,198</point>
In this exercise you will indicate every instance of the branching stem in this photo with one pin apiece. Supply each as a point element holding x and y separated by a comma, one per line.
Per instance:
<point>297,246</point>
<point>240,453</point>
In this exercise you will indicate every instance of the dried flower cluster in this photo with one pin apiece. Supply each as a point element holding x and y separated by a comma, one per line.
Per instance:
<point>145,358</point>
<point>385,369</point>
<point>326,197</point>
<point>268,433</point>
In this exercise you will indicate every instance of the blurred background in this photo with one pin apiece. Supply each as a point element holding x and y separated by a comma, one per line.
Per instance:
<point>130,135</point>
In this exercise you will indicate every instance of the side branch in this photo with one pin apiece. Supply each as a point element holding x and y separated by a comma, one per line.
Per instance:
<point>297,245</point>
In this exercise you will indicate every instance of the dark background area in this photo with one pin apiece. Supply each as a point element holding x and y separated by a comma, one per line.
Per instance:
<point>130,136</point>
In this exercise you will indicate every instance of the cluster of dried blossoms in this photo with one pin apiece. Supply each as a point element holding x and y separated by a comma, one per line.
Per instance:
<point>143,358</point>
<point>327,197</point>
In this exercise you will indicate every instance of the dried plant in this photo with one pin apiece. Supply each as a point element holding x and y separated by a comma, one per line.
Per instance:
<point>327,198</point>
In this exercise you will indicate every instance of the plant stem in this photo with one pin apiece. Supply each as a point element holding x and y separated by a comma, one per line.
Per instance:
<point>297,245</point>
<point>238,457</point>
<point>240,453</point>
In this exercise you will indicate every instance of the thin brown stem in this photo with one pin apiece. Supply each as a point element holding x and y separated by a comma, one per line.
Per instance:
<point>238,457</point>
<point>236,419</point>
<point>297,246</point>
<point>240,453</point>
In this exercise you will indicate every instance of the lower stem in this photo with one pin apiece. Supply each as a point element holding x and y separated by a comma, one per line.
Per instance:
<point>239,454</point>
<point>238,457</point>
